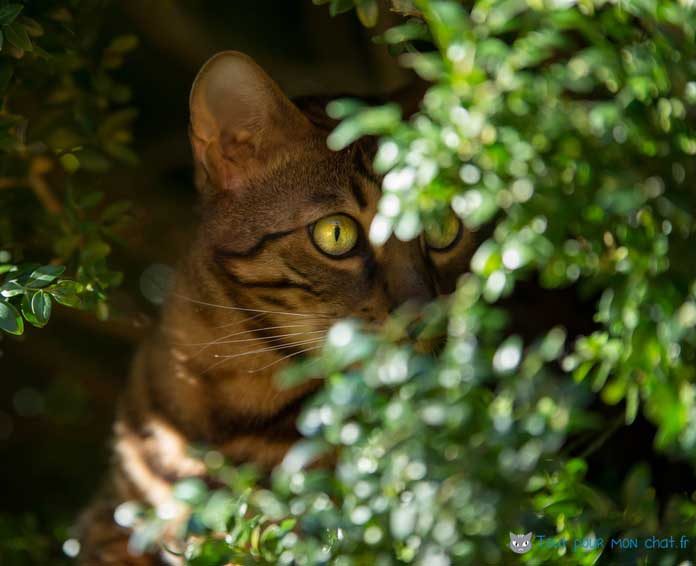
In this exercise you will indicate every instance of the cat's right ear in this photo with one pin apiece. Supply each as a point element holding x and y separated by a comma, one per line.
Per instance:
<point>241,122</point>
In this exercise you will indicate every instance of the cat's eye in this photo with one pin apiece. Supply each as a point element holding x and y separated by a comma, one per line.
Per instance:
<point>335,235</point>
<point>440,235</point>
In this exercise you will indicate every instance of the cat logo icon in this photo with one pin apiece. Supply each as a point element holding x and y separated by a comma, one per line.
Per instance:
<point>521,544</point>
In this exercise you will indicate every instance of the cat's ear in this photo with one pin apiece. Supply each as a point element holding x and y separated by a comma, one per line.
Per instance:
<point>512,537</point>
<point>240,121</point>
<point>528,536</point>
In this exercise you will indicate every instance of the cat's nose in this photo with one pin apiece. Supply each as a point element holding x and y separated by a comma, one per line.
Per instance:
<point>408,276</point>
<point>408,286</point>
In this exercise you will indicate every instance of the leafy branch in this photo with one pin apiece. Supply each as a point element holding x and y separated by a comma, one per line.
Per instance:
<point>64,120</point>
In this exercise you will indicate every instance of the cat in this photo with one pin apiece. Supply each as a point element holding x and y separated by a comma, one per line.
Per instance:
<point>521,544</point>
<point>281,253</point>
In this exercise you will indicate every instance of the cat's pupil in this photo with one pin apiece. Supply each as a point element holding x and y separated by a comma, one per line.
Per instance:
<point>337,232</point>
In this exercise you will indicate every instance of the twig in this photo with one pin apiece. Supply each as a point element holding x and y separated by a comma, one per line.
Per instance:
<point>38,168</point>
<point>13,182</point>
<point>615,425</point>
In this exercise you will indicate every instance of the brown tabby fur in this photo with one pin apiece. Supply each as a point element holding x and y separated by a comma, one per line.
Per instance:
<point>254,287</point>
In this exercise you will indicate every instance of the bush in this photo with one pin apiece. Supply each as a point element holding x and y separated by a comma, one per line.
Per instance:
<point>562,134</point>
<point>64,121</point>
<point>568,127</point>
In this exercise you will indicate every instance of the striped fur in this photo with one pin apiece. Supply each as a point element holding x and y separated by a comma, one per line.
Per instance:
<point>252,294</point>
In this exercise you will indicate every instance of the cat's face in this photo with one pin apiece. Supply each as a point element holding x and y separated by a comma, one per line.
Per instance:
<point>521,544</point>
<point>285,219</point>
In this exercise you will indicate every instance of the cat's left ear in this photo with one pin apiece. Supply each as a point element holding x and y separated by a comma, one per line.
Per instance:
<point>240,122</point>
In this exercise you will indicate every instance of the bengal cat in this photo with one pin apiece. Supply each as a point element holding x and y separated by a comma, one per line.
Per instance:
<point>281,253</point>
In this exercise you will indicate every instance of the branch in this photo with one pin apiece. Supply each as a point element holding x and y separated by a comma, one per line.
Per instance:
<point>37,169</point>
<point>13,182</point>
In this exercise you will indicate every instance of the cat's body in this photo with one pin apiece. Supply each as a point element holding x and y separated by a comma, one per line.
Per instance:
<point>281,254</point>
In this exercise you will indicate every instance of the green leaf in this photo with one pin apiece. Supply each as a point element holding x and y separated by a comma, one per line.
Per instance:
<point>124,43</point>
<point>340,6</point>
<point>93,160</point>
<point>91,200</point>
<point>34,28</point>
<point>344,107</point>
<point>632,403</point>
<point>369,121</point>
<point>27,313</point>
<point>368,12</point>
<point>190,490</point>
<point>121,152</point>
<point>95,250</point>
<point>41,306</point>
<point>115,211</point>
<point>36,308</point>
<point>10,320</point>
<point>9,12</point>
<point>69,162</point>
<point>116,122</point>
<point>409,31</point>
<point>552,345</point>
<point>17,36</point>
<point>41,53</point>
<point>23,273</point>
<point>44,276</point>
<point>11,289</point>
<point>67,293</point>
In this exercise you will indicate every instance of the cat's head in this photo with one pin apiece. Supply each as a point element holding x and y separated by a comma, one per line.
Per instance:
<point>285,219</point>
<point>521,544</point>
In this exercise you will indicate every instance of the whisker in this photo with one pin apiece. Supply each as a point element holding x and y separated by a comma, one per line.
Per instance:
<point>223,339</point>
<point>225,359</point>
<point>220,340</point>
<point>238,322</point>
<point>276,337</point>
<point>245,309</point>
<point>285,358</point>
<point>270,348</point>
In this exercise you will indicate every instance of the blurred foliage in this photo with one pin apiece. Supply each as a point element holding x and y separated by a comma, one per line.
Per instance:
<point>367,10</point>
<point>64,120</point>
<point>568,126</point>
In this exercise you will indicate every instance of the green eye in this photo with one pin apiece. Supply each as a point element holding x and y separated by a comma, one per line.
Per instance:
<point>441,235</point>
<point>335,235</point>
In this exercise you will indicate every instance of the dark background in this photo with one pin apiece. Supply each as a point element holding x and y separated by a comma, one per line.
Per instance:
<point>59,385</point>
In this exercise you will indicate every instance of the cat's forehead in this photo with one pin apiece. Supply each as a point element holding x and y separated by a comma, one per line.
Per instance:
<point>317,176</point>
<point>312,182</point>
